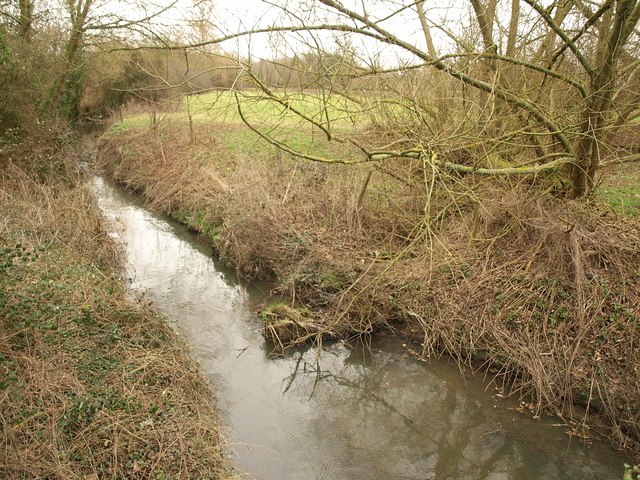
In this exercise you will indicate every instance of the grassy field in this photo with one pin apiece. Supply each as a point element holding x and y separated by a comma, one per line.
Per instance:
<point>221,107</point>
<point>621,190</point>
<point>333,111</point>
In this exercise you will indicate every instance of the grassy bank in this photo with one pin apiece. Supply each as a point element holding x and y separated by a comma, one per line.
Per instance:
<point>91,384</point>
<point>540,291</point>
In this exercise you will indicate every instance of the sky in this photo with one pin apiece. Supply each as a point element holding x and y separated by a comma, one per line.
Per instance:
<point>240,15</point>
<point>232,16</point>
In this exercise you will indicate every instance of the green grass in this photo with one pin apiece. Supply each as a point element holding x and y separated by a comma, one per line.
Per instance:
<point>622,190</point>
<point>334,111</point>
<point>219,109</point>
<point>133,122</point>
<point>291,111</point>
<point>623,199</point>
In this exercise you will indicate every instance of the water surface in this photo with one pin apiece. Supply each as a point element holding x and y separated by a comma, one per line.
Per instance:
<point>347,413</point>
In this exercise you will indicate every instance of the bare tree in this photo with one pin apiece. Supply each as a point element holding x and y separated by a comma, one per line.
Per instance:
<point>543,94</point>
<point>92,19</point>
<point>21,14</point>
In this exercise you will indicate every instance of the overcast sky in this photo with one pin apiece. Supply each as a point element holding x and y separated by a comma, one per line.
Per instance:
<point>232,16</point>
<point>239,15</point>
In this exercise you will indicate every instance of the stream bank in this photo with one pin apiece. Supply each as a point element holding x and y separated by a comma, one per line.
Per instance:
<point>92,384</point>
<point>552,311</point>
<point>349,411</point>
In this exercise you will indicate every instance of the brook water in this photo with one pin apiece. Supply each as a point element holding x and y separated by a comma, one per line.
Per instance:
<point>347,413</point>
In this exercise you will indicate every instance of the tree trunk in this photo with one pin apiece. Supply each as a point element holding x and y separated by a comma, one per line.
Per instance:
<point>598,105</point>
<point>513,28</point>
<point>79,13</point>
<point>426,31</point>
<point>26,19</point>
<point>485,17</point>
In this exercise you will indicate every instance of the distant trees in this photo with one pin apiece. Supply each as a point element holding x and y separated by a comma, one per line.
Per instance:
<point>151,75</point>
<point>312,69</point>
<point>48,44</point>
<point>524,88</point>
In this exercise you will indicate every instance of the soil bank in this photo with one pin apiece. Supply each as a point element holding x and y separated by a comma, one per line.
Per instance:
<point>92,384</point>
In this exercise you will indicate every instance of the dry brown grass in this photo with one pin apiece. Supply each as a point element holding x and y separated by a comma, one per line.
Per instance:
<point>538,290</point>
<point>547,296</point>
<point>91,385</point>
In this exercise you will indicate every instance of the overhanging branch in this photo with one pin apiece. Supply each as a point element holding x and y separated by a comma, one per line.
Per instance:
<point>433,157</point>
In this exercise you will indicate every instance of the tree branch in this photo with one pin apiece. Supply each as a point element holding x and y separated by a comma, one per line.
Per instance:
<point>563,35</point>
<point>391,39</point>
<point>377,156</point>
<point>589,23</point>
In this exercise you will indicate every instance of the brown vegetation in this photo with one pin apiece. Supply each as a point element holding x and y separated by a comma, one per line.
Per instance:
<point>452,224</point>
<point>541,291</point>
<point>91,385</point>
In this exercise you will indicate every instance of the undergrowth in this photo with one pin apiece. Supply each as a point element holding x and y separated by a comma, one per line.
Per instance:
<point>91,384</point>
<point>538,290</point>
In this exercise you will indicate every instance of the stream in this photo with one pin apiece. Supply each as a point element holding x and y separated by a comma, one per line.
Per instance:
<point>348,413</point>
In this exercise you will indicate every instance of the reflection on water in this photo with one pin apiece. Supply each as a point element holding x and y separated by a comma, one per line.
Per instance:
<point>346,414</point>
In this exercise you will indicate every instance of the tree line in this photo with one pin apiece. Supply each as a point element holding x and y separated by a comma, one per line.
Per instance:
<point>518,87</point>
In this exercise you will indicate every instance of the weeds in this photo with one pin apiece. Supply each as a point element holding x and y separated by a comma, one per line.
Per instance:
<point>91,385</point>
<point>501,276</point>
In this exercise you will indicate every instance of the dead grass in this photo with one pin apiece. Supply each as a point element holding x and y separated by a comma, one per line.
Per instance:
<point>539,291</point>
<point>91,385</point>
<point>547,297</point>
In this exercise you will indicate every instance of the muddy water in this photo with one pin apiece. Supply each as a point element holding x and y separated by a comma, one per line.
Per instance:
<point>347,414</point>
